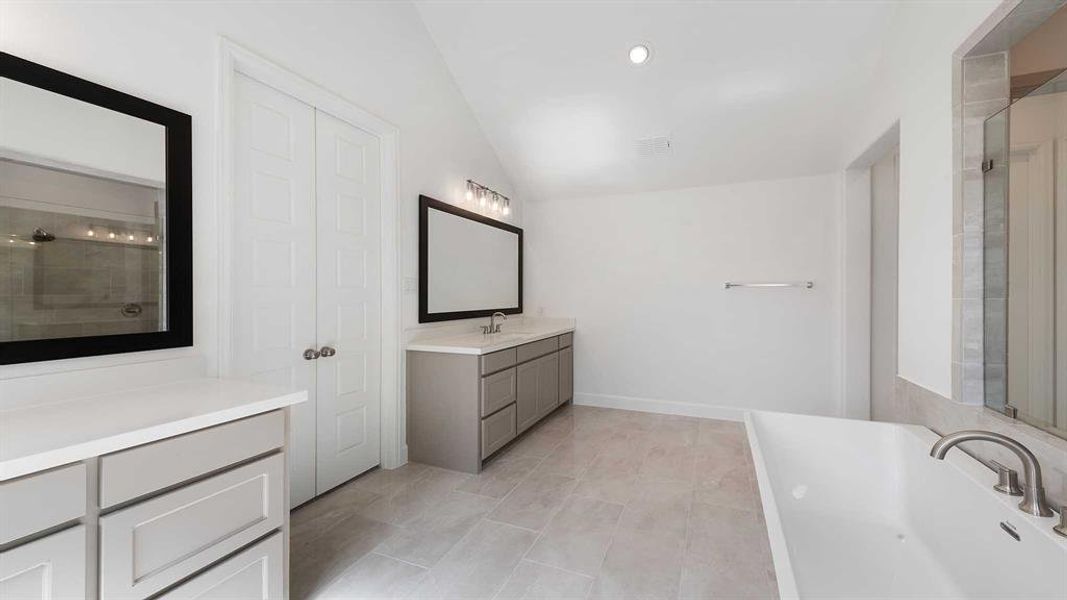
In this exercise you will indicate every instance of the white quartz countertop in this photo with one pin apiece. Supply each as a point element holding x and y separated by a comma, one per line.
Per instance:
<point>478,343</point>
<point>36,438</point>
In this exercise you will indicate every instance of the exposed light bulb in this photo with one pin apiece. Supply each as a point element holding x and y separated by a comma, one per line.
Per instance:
<point>130,237</point>
<point>111,235</point>
<point>149,239</point>
<point>11,241</point>
<point>33,243</point>
<point>90,233</point>
<point>639,54</point>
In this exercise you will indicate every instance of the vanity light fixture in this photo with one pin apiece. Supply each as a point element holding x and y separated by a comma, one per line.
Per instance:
<point>487,198</point>
<point>639,54</point>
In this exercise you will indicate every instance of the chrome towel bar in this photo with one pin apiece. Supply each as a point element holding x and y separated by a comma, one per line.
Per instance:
<point>783,284</point>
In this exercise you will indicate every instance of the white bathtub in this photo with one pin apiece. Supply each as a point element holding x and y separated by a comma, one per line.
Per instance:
<point>857,509</point>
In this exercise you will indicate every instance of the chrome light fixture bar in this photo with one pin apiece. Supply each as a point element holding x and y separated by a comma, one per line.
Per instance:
<point>487,198</point>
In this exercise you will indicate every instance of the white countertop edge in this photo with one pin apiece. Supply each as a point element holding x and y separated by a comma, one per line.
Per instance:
<point>48,459</point>
<point>429,346</point>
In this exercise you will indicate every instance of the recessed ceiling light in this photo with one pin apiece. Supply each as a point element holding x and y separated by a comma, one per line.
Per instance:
<point>639,54</point>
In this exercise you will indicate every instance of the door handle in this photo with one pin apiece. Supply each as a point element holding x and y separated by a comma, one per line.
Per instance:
<point>311,354</point>
<point>327,352</point>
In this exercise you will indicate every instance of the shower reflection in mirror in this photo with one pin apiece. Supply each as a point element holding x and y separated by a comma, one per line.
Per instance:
<point>82,211</point>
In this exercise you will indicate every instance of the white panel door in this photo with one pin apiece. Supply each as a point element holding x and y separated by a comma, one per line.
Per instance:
<point>349,300</point>
<point>274,257</point>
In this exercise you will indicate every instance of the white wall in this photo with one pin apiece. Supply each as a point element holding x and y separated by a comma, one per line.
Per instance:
<point>643,274</point>
<point>377,55</point>
<point>914,85</point>
<point>42,125</point>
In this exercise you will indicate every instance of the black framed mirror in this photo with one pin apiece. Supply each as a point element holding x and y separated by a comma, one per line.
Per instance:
<point>95,219</point>
<point>469,265</point>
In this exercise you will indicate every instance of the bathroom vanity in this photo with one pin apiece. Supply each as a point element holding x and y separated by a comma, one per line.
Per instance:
<point>469,395</point>
<point>174,491</point>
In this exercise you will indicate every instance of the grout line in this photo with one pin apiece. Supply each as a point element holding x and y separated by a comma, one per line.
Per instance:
<point>383,554</point>
<point>544,564</point>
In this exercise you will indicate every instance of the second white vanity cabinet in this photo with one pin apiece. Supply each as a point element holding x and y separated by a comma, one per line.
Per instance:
<point>465,405</point>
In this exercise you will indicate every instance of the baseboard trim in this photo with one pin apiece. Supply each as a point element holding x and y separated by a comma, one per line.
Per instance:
<point>665,407</point>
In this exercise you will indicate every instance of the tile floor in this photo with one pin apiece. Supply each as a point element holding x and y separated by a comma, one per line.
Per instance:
<point>591,503</point>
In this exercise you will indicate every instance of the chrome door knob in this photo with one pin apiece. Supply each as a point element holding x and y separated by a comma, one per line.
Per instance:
<point>327,351</point>
<point>311,354</point>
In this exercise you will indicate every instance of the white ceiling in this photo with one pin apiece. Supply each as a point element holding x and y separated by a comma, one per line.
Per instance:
<point>745,90</point>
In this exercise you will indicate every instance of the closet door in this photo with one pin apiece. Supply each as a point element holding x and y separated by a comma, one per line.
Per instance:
<point>349,300</point>
<point>274,257</point>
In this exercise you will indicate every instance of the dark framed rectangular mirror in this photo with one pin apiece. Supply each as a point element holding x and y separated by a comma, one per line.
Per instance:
<point>469,265</point>
<point>95,219</point>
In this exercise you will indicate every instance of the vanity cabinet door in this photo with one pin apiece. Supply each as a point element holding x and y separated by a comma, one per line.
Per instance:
<point>547,384</point>
<point>566,374</point>
<point>51,567</point>
<point>526,395</point>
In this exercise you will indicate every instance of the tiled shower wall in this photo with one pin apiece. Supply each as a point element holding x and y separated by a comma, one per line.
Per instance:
<point>75,285</point>
<point>984,90</point>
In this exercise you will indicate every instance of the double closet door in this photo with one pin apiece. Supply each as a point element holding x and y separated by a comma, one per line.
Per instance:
<point>306,278</point>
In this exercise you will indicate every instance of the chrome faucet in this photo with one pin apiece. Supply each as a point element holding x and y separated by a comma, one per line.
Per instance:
<point>493,326</point>
<point>1033,491</point>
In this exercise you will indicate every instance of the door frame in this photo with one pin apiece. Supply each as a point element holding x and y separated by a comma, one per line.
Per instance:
<point>853,377</point>
<point>234,59</point>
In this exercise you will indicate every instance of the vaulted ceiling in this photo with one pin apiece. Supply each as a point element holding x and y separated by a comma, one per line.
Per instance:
<point>743,90</point>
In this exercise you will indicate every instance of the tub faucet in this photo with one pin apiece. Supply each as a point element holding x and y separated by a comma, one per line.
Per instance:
<point>493,326</point>
<point>1033,492</point>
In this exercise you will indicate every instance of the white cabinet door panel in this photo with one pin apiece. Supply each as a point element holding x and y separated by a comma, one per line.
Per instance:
<point>52,567</point>
<point>252,574</point>
<point>274,257</point>
<point>156,543</point>
<point>348,392</point>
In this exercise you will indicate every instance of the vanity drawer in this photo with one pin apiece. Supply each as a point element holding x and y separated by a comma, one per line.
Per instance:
<point>51,567</point>
<point>253,573</point>
<point>138,471</point>
<point>538,348</point>
<point>567,339</point>
<point>153,544</point>
<point>498,430</point>
<point>42,500</point>
<point>496,361</point>
<point>498,391</point>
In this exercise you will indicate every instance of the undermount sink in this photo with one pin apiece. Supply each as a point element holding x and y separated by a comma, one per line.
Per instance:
<point>505,337</point>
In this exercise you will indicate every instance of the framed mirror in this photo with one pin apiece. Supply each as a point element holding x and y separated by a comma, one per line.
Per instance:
<point>469,265</point>
<point>95,219</point>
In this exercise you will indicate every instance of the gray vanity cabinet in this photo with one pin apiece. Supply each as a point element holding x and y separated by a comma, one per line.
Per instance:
<point>538,389</point>
<point>526,379</point>
<point>566,374</point>
<point>547,384</point>
<point>464,408</point>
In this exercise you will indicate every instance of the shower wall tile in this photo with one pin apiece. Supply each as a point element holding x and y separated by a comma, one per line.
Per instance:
<point>73,286</point>
<point>972,264</point>
<point>972,312</point>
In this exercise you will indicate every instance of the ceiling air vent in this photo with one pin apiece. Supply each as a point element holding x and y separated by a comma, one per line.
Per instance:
<point>653,146</point>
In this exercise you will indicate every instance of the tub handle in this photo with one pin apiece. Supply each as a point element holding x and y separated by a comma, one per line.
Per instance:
<point>1007,480</point>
